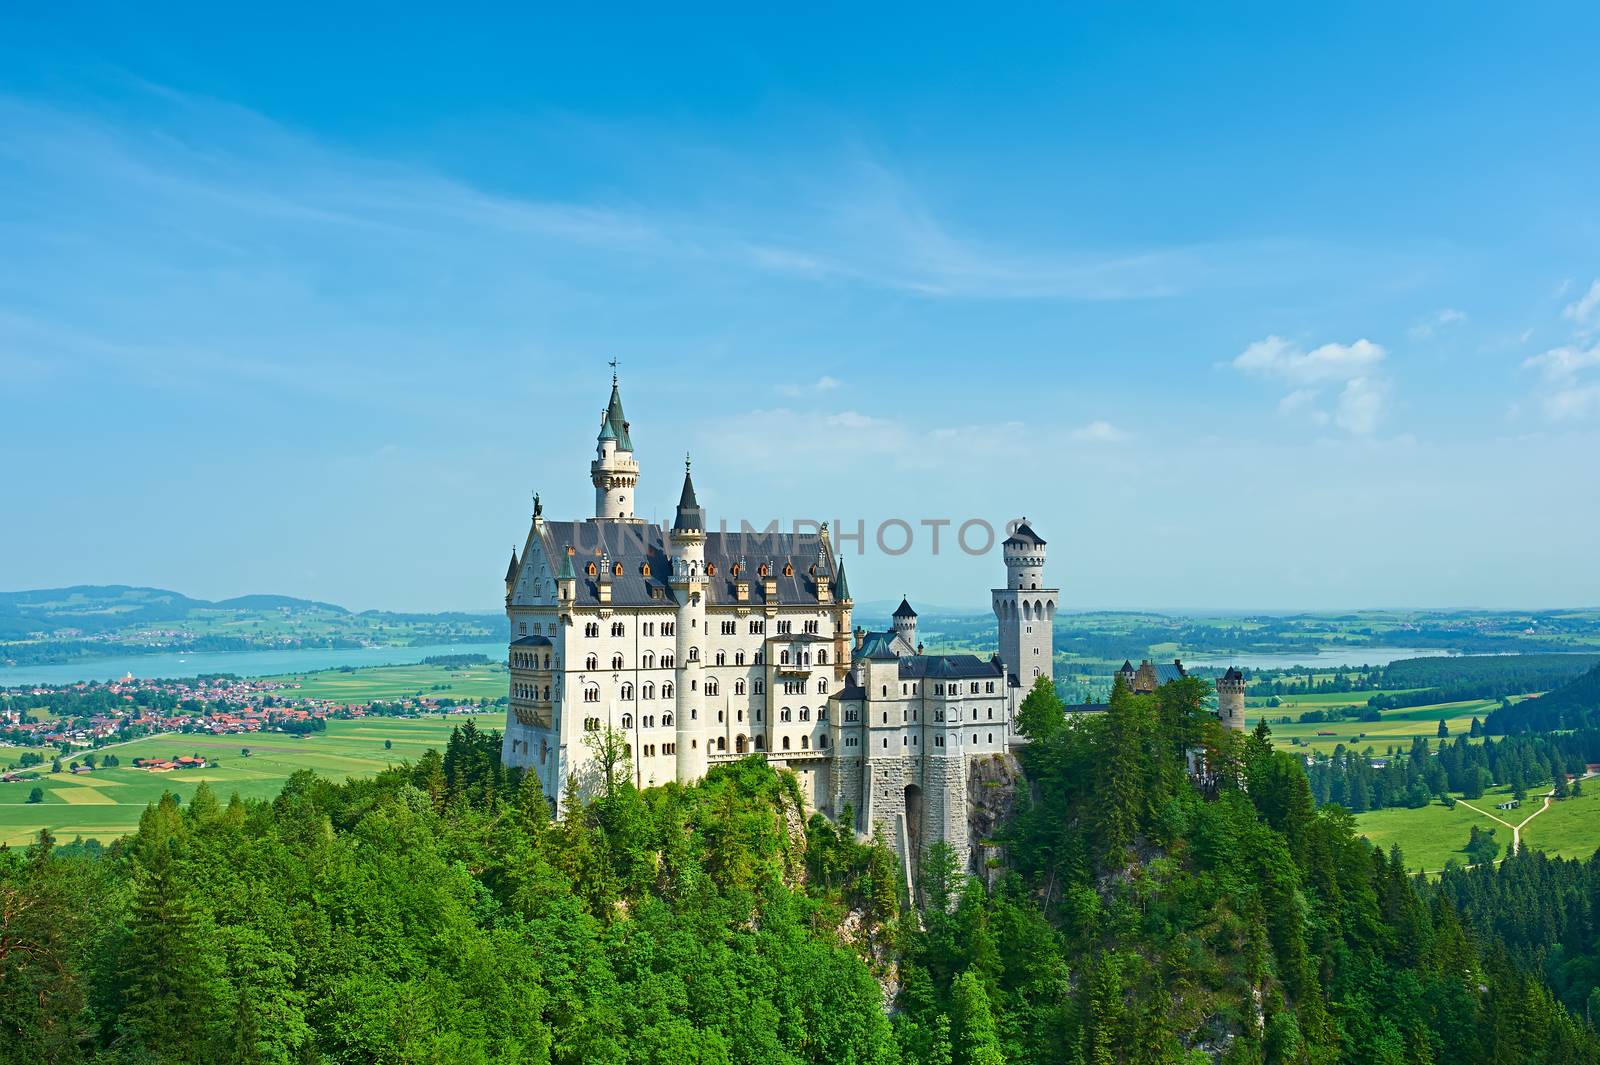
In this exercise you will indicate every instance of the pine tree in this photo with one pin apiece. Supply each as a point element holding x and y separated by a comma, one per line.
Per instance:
<point>976,1040</point>
<point>1042,714</point>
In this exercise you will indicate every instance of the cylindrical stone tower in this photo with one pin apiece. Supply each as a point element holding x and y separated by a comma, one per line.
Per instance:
<point>1230,699</point>
<point>689,587</point>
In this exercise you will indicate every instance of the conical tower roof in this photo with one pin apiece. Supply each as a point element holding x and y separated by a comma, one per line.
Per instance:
<point>904,609</point>
<point>690,517</point>
<point>841,589</point>
<point>616,425</point>
<point>511,570</point>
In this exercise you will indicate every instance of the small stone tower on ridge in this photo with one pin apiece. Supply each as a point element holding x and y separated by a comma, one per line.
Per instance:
<point>1230,699</point>
<point>1025,608</point>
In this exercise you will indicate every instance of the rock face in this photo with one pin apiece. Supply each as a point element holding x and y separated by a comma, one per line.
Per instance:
<point>992,785</point>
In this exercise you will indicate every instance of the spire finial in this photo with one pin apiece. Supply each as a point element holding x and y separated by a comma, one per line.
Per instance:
<point>613,371</point>
<point>686,462</point>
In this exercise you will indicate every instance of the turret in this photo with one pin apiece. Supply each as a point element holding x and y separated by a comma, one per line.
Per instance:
<point>511,573</point>
<point>567,579</point>
<point>905,622</point>
<point>688,542</point>
<point>1230,699</point>
<point>843,643</point>
<point>614,471</point>
<point>1025,608</point>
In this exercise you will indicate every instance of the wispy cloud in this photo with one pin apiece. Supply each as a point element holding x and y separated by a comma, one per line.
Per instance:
<point>821,386</point>
<point>1354,369</point>
<point>1435,322</point>
<point>1569,387</point>
<point>1098,432</point>
<point>1584,308</point>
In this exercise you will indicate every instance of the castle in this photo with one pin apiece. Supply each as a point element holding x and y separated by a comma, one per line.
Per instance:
<point>698,647</point>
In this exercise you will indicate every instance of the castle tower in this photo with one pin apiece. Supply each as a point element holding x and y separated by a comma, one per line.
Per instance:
<point>688,538</point>
<point>905,622</point>
<point>614,471</point>
<point>1230,699</point>
<point>1025,608</point>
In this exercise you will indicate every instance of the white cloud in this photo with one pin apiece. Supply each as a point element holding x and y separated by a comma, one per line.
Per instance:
<point>1436,321</point>
<point>1584,307</point>
<point>1098,432</point>
<point>1568,391</point>
<point>815,388</point>
<point>1359,405</point>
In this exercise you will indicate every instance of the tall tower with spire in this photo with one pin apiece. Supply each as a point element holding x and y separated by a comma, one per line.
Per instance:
<point>688,539</point>
<point>1025,608</point>
<point>614,471</point>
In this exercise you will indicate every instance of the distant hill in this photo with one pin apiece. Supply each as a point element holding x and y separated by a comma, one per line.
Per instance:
<point>47,625</point>
<point>1574,705</point>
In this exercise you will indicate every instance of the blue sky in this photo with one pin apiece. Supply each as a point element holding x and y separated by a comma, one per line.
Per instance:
<point>1245,307</point>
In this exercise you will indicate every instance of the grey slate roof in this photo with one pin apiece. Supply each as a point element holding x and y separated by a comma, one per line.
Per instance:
<point>878,645</point>
<point>531,641</point>
<point>948,667</point>
<point>511,570</point>
<point>1233,674</point>
<point>632,544</point>
<point>1025,536</point>
<point>1170,671</point>
<point>904,609</point>
<point>690,516</point>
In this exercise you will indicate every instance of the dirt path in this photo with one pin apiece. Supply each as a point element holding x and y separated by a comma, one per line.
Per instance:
<point>1516,829</point>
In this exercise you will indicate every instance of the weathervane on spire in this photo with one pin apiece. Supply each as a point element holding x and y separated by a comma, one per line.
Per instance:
<point>613,365</point>
<point>686,462</point>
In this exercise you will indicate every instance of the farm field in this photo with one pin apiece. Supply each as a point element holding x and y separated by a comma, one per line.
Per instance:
<point>1434,834</point>
<point>1570,828</point>
<point>1396,728</point>
<point>487,681</point>
<point>107,803</point>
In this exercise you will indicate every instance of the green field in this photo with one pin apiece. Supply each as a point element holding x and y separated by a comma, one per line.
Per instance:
<point>107,803</point>
<point>1395,729</point>
<point>393,682</point>
<point>1570,828</point>
<point>1433,834</point>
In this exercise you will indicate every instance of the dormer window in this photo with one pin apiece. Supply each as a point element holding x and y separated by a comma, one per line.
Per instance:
<point>644,570</point>
<point>616,570</point>
<point>736,569</point>
<point>591,569</point>
<point>788,569</point>
<point>761,571</point>
<point>711,569</point>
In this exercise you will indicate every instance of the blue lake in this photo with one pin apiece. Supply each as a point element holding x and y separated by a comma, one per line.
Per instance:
<point>242,663</point>
<point>1327,656</point>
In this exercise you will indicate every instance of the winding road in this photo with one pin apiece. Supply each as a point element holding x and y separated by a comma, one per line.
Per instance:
<point>1516,829</point>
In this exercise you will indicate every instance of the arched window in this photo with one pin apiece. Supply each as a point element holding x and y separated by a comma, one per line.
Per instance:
<point>761,743</point>
<point>546,661</point>
<point>805,743</point>
<point>694,654</point>
<point>666,690</point>
<point>591,695</point>
<point>616,627</point>
<point>712,688</point>
<point>722,743</point>
<point>822,657</point>
<point>666,720</point>
<point>786,743</point>
<point>805,713</point>
<point>648,692</point>
<point>592,629</point>
<point>738,658</point>
<point>788,569</point>
<point>627,691</point>
<point>822,741</point>
<point>648,661</point>
<point>822,686</point>
<point>761,687</point>
<point>740,742</point>
<point>591,569</point>
<point>616,661</point>
<point>783,658</point>
<point>592,662</point>
<point>722,658</point>
<point>627,720</point>
<point>738,687</point>
<point>666,661</point>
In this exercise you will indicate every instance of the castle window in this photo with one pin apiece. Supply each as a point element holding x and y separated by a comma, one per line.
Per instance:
<point>666,690</point>
<point>722,743</point>
<point>761,687</point>
<point>592,662</point>
<point>644,569</point>
<point>736,568</point>
<point>761,570</point>
<point>711,569</point>
<point>616,570</point>
<point>722,658</point>
<point>627,720</point>
<point>758,625</point>
<point>592,629</point>
<point>805,743</point>
<point>991,713</point>
<point>657,593</point>
<point>616,661</point>
<point>886,694</point>
<point>617,628</point>
<point>783,658</point>
<point>712,687</point>
<point>761,743</point>
<point>822,741</point>
<point>694,654</point>
<point>759,656</point>
<point>805,713</point>
<point>627,691</point>
<point>591,569</point>
<point>788,569</point>
<point>886,743</point>
<point>822,687</point>
<point>647,629</point>
<point>991,737</point>
<point>648,692</point>
<point>786,743</point>
<point>666,661</point>
<point>648,661</point>
<point>666,720</point>
<point>738,658</point>
<point>738,687</point>
<point>669,628</point>
<point>729,628</point>
<point>886,717</point>
<point>822,657</point>
<point>522,628</point>
<point>989,687</point>
<point>720,717</point>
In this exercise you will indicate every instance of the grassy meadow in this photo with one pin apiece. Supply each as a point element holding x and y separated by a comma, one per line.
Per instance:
<point>487,681</point>
<point>107,803</point>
